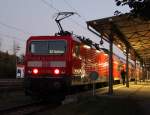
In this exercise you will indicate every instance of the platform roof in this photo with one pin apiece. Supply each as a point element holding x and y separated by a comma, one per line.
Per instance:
<point>127,31</point>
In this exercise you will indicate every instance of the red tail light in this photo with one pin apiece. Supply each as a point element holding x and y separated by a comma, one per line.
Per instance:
<point>35,71</point>
<point>56,71</point>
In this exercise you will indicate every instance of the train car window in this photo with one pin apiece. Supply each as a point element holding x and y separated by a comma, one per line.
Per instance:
<point>51,47</point>
<point>77,50</point>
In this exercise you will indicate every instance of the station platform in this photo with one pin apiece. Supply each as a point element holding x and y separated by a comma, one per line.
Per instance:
<point>132,100</point>
<point>138,93</point>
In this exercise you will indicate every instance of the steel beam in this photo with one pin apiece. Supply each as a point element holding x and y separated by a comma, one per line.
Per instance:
<point>110,65</point>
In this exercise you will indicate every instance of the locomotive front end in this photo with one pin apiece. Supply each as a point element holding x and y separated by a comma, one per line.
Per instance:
<point>46,65</point>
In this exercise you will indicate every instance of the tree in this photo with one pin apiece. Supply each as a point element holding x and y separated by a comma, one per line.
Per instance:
<point>139,8</point>
<point>7,65</point>
<point>20,59</point>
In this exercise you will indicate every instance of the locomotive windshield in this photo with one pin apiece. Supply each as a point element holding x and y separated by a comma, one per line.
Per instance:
<point>51,47</point>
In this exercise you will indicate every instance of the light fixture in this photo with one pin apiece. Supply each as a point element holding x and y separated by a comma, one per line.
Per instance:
<point>97,51</point>
<point>119,46</point>
<point>124,50</point>
<point>97,46</point>
<point>86,46</point>
<point>101,42</point>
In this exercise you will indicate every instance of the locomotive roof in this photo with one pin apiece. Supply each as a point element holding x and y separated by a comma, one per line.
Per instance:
<point>46,37</point>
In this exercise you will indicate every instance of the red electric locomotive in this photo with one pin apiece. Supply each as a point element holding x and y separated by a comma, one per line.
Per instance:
<point>56,63</point>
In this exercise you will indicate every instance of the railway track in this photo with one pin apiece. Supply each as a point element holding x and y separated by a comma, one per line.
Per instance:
<point>11,84</point>
<point>30,108</point>
<point>11,81</point>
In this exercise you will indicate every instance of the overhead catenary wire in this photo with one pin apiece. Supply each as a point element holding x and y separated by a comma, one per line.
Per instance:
<point>50,5</point>
<point>82,17</point>
<point>14,28</point>
<point>18,42</point>
<point>72,20</point>
<point>57,10</point>
<point>12,37</point>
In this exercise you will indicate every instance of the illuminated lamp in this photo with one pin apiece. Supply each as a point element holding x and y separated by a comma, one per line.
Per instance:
<point>106,54</point>
<point>56,71</point>
<point>35,71</point>
<point>97,51</point>
<point>86,46</point>
<point>101,42</point>
<point>119,46</point>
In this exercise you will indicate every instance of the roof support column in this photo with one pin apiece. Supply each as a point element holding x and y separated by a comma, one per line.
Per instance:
<point>135,71</point>
<point>142,74</point>
<point>127,66</point>
<point>111,64</point>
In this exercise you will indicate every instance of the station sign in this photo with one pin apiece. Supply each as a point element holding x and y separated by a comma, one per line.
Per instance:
<point>93,75</point>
